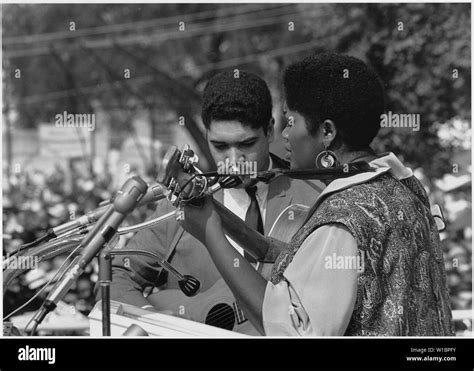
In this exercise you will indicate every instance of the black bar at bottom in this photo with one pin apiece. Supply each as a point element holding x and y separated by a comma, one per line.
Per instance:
<point>288,353</point>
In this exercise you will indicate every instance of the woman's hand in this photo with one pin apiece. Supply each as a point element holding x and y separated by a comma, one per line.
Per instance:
<point>201,220</point>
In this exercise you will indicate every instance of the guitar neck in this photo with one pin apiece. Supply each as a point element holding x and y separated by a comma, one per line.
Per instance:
<point>254,243</point>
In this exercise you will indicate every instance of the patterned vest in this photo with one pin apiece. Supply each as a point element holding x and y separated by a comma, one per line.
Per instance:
<point>402,289</point>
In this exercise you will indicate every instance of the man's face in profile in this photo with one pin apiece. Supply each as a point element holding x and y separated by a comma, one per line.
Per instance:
<point>239,145</point>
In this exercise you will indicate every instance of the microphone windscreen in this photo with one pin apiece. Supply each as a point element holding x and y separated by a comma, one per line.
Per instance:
<point>135,330</point>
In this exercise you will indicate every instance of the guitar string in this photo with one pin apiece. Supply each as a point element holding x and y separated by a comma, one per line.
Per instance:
<point>224,308</point>
<point>223,323</point>
<point>217,314</point>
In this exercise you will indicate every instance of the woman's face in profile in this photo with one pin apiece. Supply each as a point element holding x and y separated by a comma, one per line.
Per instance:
<point>301,147</point>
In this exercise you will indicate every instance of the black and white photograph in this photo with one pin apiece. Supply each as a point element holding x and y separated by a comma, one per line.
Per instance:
<point>237,170</point>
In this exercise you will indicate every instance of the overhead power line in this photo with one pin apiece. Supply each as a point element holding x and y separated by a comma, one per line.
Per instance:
<point>37,98</point>
<point>134,26</point>
<point>189,31</point>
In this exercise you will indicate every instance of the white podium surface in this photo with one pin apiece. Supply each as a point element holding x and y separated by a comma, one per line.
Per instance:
<point>122,316</point>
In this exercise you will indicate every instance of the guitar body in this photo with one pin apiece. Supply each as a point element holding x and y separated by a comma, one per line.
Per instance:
<point>214,307</point>
<point>217,306</point>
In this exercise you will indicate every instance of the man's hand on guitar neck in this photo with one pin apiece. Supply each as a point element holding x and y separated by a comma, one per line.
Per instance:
<point>247,285</point>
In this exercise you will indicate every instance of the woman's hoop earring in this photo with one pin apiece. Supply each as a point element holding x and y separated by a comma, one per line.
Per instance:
<point>326,159</point>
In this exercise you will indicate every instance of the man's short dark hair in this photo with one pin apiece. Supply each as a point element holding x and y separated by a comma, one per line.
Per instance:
<point>244,97</point>
<point>339,88</point>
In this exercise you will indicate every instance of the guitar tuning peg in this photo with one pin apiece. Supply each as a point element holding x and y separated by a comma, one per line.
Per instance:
<point>189,158</point>
<point>171,186</point>
<point>172,183</point>
<point>194,159</point>
<point>176,188</point>
<point>179,215</point>
<point>177,202</point>
<point>174,201</point>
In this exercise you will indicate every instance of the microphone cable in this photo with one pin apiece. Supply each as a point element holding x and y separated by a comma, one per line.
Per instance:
<point>60,272</point>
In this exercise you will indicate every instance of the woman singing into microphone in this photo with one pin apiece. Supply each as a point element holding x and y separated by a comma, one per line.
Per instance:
<point>368,260</point>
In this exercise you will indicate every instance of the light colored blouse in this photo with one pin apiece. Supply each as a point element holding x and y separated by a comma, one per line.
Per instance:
<point>318,294</point>
<point>317,298</point>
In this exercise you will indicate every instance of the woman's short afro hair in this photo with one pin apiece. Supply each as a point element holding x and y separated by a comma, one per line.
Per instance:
<point>339,88</point>
<point>237,95</point>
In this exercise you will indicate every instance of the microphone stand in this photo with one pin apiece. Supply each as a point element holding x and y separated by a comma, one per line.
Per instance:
<point>105,279</point>
<point>106,227</point>
<point>188,284</point>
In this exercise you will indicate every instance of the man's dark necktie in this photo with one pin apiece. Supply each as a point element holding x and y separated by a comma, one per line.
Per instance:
<point>253,218</point>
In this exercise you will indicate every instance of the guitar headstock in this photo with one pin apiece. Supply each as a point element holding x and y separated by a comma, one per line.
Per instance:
<point>180,175</point>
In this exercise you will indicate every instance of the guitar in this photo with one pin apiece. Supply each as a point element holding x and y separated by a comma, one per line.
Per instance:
<point>217,306</point>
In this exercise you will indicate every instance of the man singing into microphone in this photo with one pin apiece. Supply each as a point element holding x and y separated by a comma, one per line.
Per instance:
<point>237,114</point>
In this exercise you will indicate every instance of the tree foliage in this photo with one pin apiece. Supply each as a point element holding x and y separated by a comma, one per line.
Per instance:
<point>415,48</point>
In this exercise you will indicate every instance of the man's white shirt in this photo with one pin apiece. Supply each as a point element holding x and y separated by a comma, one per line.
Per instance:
<point>238,201</point>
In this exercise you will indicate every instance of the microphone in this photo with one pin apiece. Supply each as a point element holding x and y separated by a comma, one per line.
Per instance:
<point>125,201</point>
<point>154,193</point>
<point>90,218</point>
<point>135,330</point>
